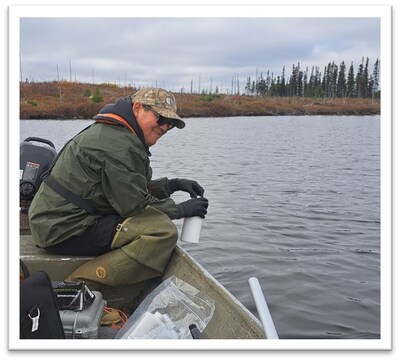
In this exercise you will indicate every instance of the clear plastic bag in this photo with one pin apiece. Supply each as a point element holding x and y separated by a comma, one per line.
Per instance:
<point>167,312</point>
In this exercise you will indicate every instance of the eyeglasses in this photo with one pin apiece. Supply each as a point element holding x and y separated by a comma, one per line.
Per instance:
<point>160,119</point>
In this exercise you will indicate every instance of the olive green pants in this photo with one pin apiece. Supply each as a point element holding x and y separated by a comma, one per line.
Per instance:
<point>140,249</point>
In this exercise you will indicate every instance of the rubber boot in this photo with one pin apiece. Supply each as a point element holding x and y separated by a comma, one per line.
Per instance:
<point>114,268</point>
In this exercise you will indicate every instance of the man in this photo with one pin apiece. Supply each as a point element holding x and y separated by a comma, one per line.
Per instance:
<point>98,199</point>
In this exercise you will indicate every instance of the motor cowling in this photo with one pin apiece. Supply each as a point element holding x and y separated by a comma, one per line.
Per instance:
<point>34,161</point>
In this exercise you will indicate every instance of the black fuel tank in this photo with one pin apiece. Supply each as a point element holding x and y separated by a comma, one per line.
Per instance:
<point>34,161</point>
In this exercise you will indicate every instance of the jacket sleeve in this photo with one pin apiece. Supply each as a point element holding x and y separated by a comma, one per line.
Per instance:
<point>165,205</point>
<point>159,188</point>
<point>126,187</point>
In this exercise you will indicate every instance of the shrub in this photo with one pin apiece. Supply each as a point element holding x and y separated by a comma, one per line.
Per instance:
<point>97,98</point>
<point>31,102</point>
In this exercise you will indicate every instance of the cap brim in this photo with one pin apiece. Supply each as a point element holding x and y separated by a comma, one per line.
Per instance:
<point>167,113</point>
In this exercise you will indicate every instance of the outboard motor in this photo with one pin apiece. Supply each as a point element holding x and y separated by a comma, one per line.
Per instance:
<point>34,161</point>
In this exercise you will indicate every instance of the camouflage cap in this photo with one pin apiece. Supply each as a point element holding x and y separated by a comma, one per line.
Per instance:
<point>162,101</point>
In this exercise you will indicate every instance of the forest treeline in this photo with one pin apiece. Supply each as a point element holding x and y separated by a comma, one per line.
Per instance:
<point>303,92</point>
<point>335,82</point>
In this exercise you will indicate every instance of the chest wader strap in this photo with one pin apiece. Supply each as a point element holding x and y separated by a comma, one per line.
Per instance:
<point>68,195</point>
<point>64,192</point>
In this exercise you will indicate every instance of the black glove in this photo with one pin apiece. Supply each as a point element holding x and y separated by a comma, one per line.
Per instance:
<point>193,207</point>
<point>186,185</point>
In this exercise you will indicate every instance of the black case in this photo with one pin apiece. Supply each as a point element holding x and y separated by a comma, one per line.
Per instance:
<point>38,303</point>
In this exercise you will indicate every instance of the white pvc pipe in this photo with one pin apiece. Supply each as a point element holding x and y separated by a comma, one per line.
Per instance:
<point>262,309</point>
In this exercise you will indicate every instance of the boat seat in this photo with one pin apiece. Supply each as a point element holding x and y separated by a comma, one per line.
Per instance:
<point>37,259</point>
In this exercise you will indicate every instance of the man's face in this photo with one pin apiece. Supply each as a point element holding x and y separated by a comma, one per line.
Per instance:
<point>147,120</point>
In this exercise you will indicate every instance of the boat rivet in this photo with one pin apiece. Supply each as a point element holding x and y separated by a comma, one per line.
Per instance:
<point>125,229</point>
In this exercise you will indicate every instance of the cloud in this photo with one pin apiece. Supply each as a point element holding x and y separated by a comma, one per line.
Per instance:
<point>177,51</point>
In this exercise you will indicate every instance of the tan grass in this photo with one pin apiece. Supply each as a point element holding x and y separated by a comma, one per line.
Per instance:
<point>69,100</point>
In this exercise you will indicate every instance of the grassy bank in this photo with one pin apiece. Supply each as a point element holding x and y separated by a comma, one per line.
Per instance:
<point>69,100</point>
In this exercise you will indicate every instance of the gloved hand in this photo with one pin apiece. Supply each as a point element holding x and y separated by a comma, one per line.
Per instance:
<point>186,185</point>
<point>193,207</point>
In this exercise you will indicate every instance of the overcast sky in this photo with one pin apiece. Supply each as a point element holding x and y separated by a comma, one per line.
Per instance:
<point>177,53</point>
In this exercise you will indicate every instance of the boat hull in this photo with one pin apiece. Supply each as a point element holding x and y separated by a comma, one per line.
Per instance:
<point>231,320</point>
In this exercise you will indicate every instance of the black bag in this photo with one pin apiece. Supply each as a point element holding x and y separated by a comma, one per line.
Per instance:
<point>39,314</point>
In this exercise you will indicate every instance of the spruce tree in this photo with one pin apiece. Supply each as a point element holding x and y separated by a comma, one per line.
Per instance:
<point>376,82</point>
<point>341,86</point>
<point>351,90</point>
<point>365,78</point>
<point>360,79</point>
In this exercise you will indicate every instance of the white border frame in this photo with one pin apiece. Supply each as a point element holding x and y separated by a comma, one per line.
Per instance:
<point>383,12</point>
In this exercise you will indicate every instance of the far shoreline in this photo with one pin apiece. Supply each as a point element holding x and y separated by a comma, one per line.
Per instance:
<point>64,100</point>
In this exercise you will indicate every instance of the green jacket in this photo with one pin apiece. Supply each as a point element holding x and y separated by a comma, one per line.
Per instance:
<point>108,166</point>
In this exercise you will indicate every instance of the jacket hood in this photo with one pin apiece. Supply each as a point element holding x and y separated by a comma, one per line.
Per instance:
<point>123,109</point>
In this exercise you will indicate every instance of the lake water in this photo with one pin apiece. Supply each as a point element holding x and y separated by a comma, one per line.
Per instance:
<point>294,201</point>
